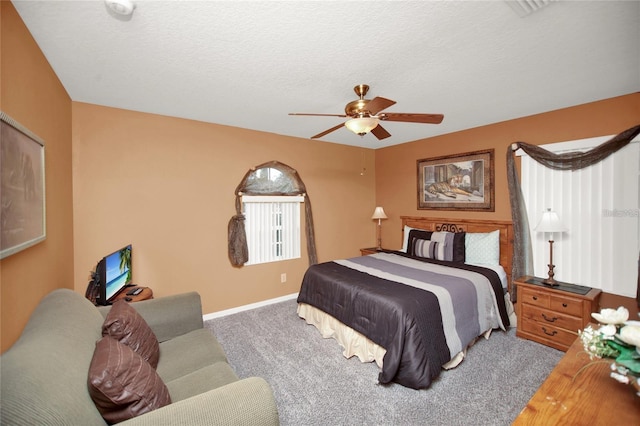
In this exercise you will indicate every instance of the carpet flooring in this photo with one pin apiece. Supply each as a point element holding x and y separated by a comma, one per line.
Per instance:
<point>315,385</point>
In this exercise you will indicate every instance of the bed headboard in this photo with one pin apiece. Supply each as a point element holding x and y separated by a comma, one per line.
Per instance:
<point>470,225</point>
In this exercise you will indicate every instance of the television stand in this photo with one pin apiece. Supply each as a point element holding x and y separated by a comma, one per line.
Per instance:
<point>128,295</point>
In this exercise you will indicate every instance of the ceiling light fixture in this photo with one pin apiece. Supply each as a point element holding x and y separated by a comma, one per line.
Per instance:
<point>362,125</point>
<point>120,7</point>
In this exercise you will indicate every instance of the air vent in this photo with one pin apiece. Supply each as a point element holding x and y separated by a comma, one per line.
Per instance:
<point>527,7</point>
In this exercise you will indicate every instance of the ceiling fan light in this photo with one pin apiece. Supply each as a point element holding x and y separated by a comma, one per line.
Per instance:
<point>362,125</point>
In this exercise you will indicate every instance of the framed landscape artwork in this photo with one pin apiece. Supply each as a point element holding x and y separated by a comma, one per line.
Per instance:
<point>457,182</point>
<point>22,196</point>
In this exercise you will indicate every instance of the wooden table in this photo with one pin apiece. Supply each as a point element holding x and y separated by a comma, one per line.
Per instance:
<point>369,250</point>
<point>592,398</point>
<point>145,294</point>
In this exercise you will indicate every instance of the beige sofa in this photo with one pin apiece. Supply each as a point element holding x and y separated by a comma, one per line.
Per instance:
<point>43,376</point>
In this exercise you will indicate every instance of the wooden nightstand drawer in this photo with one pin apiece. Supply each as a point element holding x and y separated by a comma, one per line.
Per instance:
<point>548,332</point>
<point>534,297</point>
<point>566,305</point>
<point>555,318</point>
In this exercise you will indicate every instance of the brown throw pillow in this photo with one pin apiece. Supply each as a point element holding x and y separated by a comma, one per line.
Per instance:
<point>122,384</point>
<point>125,324</point>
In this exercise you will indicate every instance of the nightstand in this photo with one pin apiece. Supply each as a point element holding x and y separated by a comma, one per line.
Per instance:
<point>369,250</point>
<point>553,315</point>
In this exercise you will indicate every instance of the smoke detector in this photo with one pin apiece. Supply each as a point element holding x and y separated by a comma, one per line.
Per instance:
<point>120,7</point>
<point>526,7</point>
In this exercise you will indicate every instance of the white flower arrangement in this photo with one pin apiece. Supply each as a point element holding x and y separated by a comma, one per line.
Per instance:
<point>612,316</point>
<point>631,334</point>
<point>614,339</point>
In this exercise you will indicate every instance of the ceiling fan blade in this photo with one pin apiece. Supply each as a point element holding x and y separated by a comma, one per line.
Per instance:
<point>412,118</point>
<point>319,115</point>
<point>380,132</point>
<point>326,132</point>
<point>377,104</point>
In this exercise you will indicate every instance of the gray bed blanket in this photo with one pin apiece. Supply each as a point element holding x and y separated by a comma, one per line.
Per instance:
<point>422,312</point>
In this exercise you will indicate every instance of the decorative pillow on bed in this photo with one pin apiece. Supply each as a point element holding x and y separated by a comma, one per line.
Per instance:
<point>483,248</point>
<point>452,244</point>
<point>405,238</point>
<point>418,233</point>
<point>455,245</point>
<point>122,384</point>
<point>126,325</point>
<point>428,248</point>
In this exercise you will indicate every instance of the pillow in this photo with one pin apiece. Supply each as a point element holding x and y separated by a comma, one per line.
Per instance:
<point>417,233</point>
<point>405,238</point>
<point>483,248</point>
<point>459,250</point>
<point>455,242</point>
<point>125,324</point>
<point>428,248</point>
<point>454,245</point>
<point>122,384</point>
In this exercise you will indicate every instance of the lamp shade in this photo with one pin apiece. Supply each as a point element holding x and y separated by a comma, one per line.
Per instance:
<point>550,222</point>
<point>378,213</point>
<point>362,125</point>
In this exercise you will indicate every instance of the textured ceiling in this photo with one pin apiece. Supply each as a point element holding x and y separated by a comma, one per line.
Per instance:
<point>248,64</point>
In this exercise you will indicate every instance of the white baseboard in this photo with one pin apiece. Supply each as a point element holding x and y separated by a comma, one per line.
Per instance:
<point>248,307</point>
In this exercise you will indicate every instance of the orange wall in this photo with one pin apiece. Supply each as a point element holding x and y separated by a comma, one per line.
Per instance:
<point>173,181</point>
<point>32,95</point>
<point>396,168</point>
<point>166,185</point>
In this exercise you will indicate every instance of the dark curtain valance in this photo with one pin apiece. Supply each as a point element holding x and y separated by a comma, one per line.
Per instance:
<point>522,256</point>
<point>253,184</point>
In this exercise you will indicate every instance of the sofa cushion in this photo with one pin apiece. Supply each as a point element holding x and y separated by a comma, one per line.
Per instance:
<point>187,353</point>
<point>125,324</point>
<point>200,381</point>
<point>122,384</point>
<point>44,374</point>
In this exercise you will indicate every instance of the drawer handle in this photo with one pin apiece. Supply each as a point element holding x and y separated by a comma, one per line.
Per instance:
<point>535,297</point>
<point>549,334</point>
<point>564,305</point>
<point>549,319</point>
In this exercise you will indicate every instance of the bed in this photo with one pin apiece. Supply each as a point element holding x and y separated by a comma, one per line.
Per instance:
<point>417,310</point>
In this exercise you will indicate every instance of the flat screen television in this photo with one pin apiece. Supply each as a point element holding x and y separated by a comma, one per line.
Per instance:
<point>113,273</point>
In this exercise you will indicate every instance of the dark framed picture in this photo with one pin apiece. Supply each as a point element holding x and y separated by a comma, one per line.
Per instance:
<point>457,182</point>
<point>22,195</point>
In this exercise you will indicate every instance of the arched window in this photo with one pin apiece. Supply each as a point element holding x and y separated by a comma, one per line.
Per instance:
<point>266,226</point>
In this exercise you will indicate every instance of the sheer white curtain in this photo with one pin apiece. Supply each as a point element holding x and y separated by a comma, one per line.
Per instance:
<point>599,207</point>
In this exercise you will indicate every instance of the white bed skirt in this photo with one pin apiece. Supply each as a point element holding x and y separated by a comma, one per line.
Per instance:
<point>357,344</point>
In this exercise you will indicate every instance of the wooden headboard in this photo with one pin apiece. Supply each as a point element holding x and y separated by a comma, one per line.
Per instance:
<point>470,225</point>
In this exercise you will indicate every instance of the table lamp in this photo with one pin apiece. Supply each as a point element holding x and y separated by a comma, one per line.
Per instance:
<point>378,213</point>
<point>550,223</point>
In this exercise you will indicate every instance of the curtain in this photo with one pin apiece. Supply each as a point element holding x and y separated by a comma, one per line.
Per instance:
<point>253,183</point>
<point>598,206</point>
<point>522,256</point>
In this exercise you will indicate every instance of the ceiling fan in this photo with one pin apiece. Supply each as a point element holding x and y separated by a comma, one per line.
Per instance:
<point>366,114</point>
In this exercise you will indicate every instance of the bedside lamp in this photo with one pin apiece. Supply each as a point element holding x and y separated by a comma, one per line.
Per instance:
<point>378,213</point>
<point>550,223</point>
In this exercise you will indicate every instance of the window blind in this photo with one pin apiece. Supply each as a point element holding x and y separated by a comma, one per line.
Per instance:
<point>599,207</point>
<point>272,227</point>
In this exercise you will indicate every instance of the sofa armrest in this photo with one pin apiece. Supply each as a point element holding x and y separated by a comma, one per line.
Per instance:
<point>245,402</point>
<point>169,316</point>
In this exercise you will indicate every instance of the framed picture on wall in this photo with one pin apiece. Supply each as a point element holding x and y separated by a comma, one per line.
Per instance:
<point>457,182</point>
<point>22,196</point>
